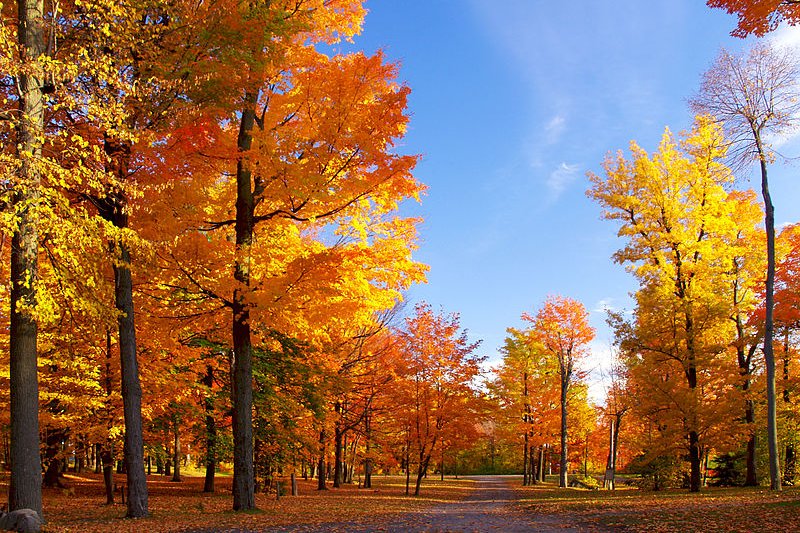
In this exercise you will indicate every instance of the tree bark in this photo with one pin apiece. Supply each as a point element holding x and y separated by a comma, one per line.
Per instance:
<point>338,446</point>
<point>564,465</point>
<point>176,450</point>
<point>367,446</point>
<point>243,472</point>
<point>789,451</point>
<point>769,354</point>
<point>321,464</point>
<point>114,209</point>
<point>25,487</point>
<point>107,459</point>
<point>211,432</point>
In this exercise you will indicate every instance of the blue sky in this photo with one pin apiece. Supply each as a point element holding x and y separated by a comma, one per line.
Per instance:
<point>512,102</point>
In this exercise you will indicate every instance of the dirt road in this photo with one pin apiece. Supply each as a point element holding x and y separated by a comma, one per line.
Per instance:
<point>492,506</point>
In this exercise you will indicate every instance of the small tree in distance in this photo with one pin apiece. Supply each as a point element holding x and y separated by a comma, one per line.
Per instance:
<point>562,328</point>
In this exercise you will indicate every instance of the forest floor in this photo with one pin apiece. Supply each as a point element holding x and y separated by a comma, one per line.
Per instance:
<point>488,503</point>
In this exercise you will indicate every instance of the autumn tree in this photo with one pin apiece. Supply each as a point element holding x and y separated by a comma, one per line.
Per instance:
<point>679,224</point>
<point>759,16</point>
<point>754,97</point>
<point>561,327</point>
<point>21,193</point>
<point>437,381</point>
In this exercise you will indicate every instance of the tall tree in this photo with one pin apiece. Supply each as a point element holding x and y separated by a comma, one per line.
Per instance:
<point>25,489</point>
<point>562,328</point>
<point>679,223</point>
<point>757,96</point>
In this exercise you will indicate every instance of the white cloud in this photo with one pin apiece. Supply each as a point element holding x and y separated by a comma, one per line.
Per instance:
<point>561,178</point>
<point>785,37</point>
<point>597,364</point>
<point>604,305</point>
<point>554,128</point>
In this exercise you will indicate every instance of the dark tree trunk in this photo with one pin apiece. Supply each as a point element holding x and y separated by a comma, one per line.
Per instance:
<point>52,476</point>
<point>321,465</point>
<point>98,463</point>
<point>211,431</point>
<point>338,436</point>
<point>422,471</point>
<point>176,450</point>
<point>769,354</point>
<point>744,358</point>
<point>789,457</point>
<point>114,209</point>
<point>131,388</point>
<point>367,448</point>
<point>107,459</point>
<point>243,473</point>
<point>25,487</point>
<point>564,465</point>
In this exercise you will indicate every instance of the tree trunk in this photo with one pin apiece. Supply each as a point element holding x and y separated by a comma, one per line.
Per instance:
<point>52,476</point>
<point>25,487</point>
<point>321,464</point>
<point>367,451</point>
<point>789,453</point>
<point>211,431</point>
<point>422,470</point>
<point>408,464</point>
<point>176,450</point>
<point>542,463</point>
<point>338,446</point>
<point>107,459</point>
<point>114,209</point>
<point>769,354</point>
<point>243,473</point>
<point>564,465</point>
<point>525,481</point>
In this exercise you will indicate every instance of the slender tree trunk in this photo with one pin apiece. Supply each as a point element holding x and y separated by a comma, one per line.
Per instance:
<point>789,452</point>
<point>176,450</point>
<point>114,209</point>
<point>525,460</point>
<point>107,459</point>
<point>243,473</point>
<point>367,452</point>
<point>408,464</point>
<point>321,465</point>
<point>769,354</point>
<point>542,463</point>
<point>562,474</point>
<point>422,470</point>
<point>25,488</point>
<point>608,479</point>
<point>211,432</point>
<point>338,436</point>
<point>131,388</point>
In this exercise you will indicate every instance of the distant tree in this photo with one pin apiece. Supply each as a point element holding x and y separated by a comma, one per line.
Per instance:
<point>436,381</point>
<point>562,328</point>
<point>755,96</point>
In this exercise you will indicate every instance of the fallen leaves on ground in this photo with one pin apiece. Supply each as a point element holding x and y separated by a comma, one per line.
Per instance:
<point>184,507</point>
<point>711,510</point>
